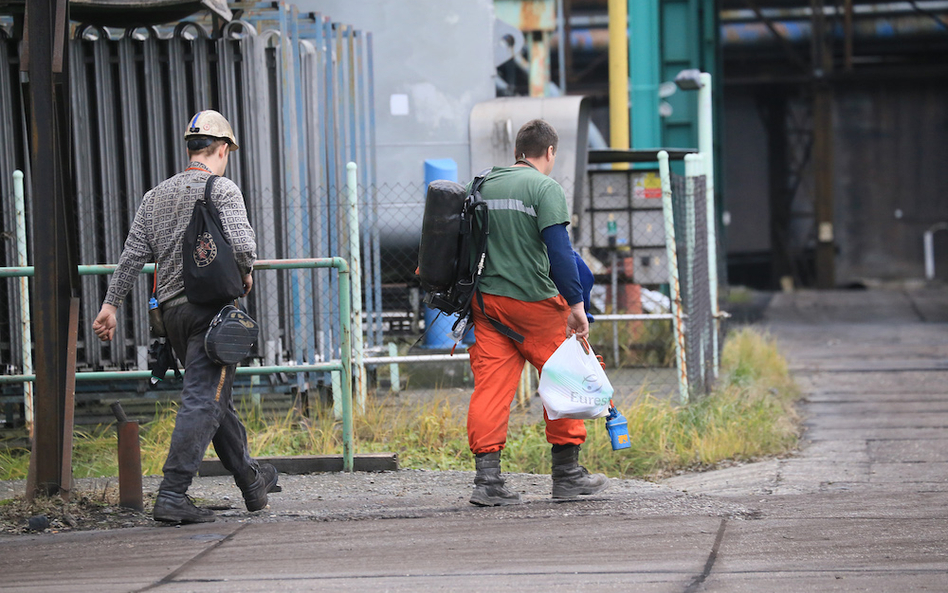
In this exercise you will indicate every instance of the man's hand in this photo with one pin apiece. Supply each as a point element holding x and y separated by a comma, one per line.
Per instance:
<point>577,323</point>
<point>104,324</point>
<point>248,284</point>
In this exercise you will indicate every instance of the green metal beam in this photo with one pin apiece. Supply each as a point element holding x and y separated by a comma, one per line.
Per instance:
<point>679,51</point>
<point>644,75</point>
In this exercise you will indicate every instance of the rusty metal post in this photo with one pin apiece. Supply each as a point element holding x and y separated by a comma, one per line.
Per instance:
<point>56,280</point>
<point>823,148</point>
<point>538,21</point>
<point>129,461</point>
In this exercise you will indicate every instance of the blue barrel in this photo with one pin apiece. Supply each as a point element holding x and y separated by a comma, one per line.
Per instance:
<point>445,169</point>
<point>438,327</point>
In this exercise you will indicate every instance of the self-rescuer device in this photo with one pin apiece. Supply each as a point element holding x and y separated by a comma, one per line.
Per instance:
<point>618,429</point>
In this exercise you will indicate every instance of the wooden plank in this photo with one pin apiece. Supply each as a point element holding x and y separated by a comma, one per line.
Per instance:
<point>310,464</point>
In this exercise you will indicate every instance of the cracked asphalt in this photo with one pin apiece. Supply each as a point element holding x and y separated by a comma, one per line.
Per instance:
<point>862,507</point>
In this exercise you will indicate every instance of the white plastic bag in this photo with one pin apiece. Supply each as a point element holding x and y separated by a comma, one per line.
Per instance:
<point>573,383</point>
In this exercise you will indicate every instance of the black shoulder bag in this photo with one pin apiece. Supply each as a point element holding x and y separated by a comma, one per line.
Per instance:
<point>231,336</point>
<point>211,273</point>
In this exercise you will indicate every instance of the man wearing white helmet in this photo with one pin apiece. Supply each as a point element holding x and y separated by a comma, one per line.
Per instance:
<point>206,413</point>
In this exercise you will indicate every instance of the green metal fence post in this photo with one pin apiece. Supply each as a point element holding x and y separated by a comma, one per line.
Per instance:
<point>26,336</point>
<point>706,150</point>
<point>345,344</point>
<point>355,267</point>
<point>671,251</point>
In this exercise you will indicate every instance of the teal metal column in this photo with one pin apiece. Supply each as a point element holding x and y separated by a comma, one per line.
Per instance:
<point>679,47</point>
<point>644,75</point>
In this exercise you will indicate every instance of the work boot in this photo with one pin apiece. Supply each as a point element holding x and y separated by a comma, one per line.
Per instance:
<point>255,489</point>
<point>172,507</point>
<point>489,489</point>
<point>571,479</point>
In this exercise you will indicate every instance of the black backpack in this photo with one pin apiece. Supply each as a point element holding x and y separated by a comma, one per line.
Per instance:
<point>453,248</point>
<point>211,274</point>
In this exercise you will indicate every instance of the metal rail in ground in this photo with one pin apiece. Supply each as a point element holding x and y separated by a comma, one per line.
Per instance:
<point>343,366</point>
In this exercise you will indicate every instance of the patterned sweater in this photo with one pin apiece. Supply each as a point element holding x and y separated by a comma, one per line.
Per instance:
<point>158,231</point>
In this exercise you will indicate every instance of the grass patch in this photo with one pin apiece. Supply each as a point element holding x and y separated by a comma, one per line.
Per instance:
<point>739,295</point>
<point>641,343</point>
<point>749,415</point>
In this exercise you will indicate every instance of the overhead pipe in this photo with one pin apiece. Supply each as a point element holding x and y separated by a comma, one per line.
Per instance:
<point>748,33</point>
<point>593,21</point>
<point>798,31</point>
<point>806,12</point>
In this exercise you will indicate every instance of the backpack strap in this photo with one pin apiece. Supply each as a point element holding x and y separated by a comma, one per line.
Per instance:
<point>481,256</point>
<point>500,327</point>
<point>467,285</point>
<point>208,187</point>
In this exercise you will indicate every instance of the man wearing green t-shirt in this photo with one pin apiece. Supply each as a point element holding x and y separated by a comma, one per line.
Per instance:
<point>531,285</point>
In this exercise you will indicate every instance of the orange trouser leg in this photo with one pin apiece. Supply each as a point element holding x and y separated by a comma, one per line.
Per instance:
<point>497,362</point>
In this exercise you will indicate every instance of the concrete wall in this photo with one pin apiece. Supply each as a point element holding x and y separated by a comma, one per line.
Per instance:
<point>433,61</point>
<point>890,180</point>
<point>745,176</point>
<point>889,157</point>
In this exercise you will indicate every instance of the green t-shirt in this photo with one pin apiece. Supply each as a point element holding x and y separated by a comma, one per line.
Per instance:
<point>521,202</point>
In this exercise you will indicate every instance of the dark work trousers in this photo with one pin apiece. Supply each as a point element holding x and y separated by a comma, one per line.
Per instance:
<point>207,411</point>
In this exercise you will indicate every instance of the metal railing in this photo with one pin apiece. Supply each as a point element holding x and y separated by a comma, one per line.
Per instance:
<point>928,242</point>
<point>343,366</point>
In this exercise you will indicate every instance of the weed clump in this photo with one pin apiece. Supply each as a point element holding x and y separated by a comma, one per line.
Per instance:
<point>749,414</point>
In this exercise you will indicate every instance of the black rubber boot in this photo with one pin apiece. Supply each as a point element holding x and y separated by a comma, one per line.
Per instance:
<point>489,489</point>
<point>172,507</point>
<point>255,489</point>
<point>571,479</point>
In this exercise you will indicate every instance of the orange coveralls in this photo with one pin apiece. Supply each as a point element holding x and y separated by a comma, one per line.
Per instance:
<point>497,362</point>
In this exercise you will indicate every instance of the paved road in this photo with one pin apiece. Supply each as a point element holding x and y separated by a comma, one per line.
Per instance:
<point>863,507</point>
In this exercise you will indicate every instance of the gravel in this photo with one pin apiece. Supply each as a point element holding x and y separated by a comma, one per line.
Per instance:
<point>357,496</point>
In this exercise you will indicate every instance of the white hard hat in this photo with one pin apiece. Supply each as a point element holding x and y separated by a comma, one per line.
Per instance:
<point>213,124</point>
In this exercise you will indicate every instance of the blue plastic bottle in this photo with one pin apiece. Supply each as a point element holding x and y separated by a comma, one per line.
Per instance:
<point>155,320</point>
<point>618,429</point>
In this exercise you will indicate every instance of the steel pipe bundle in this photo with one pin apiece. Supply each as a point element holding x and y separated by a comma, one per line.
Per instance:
<point>297,89</point>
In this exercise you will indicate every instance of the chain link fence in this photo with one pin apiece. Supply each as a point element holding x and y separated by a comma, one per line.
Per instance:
<point>132,93</point>
<point>619,231</point>
<point>297,309</point>
<point>690,205</point>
